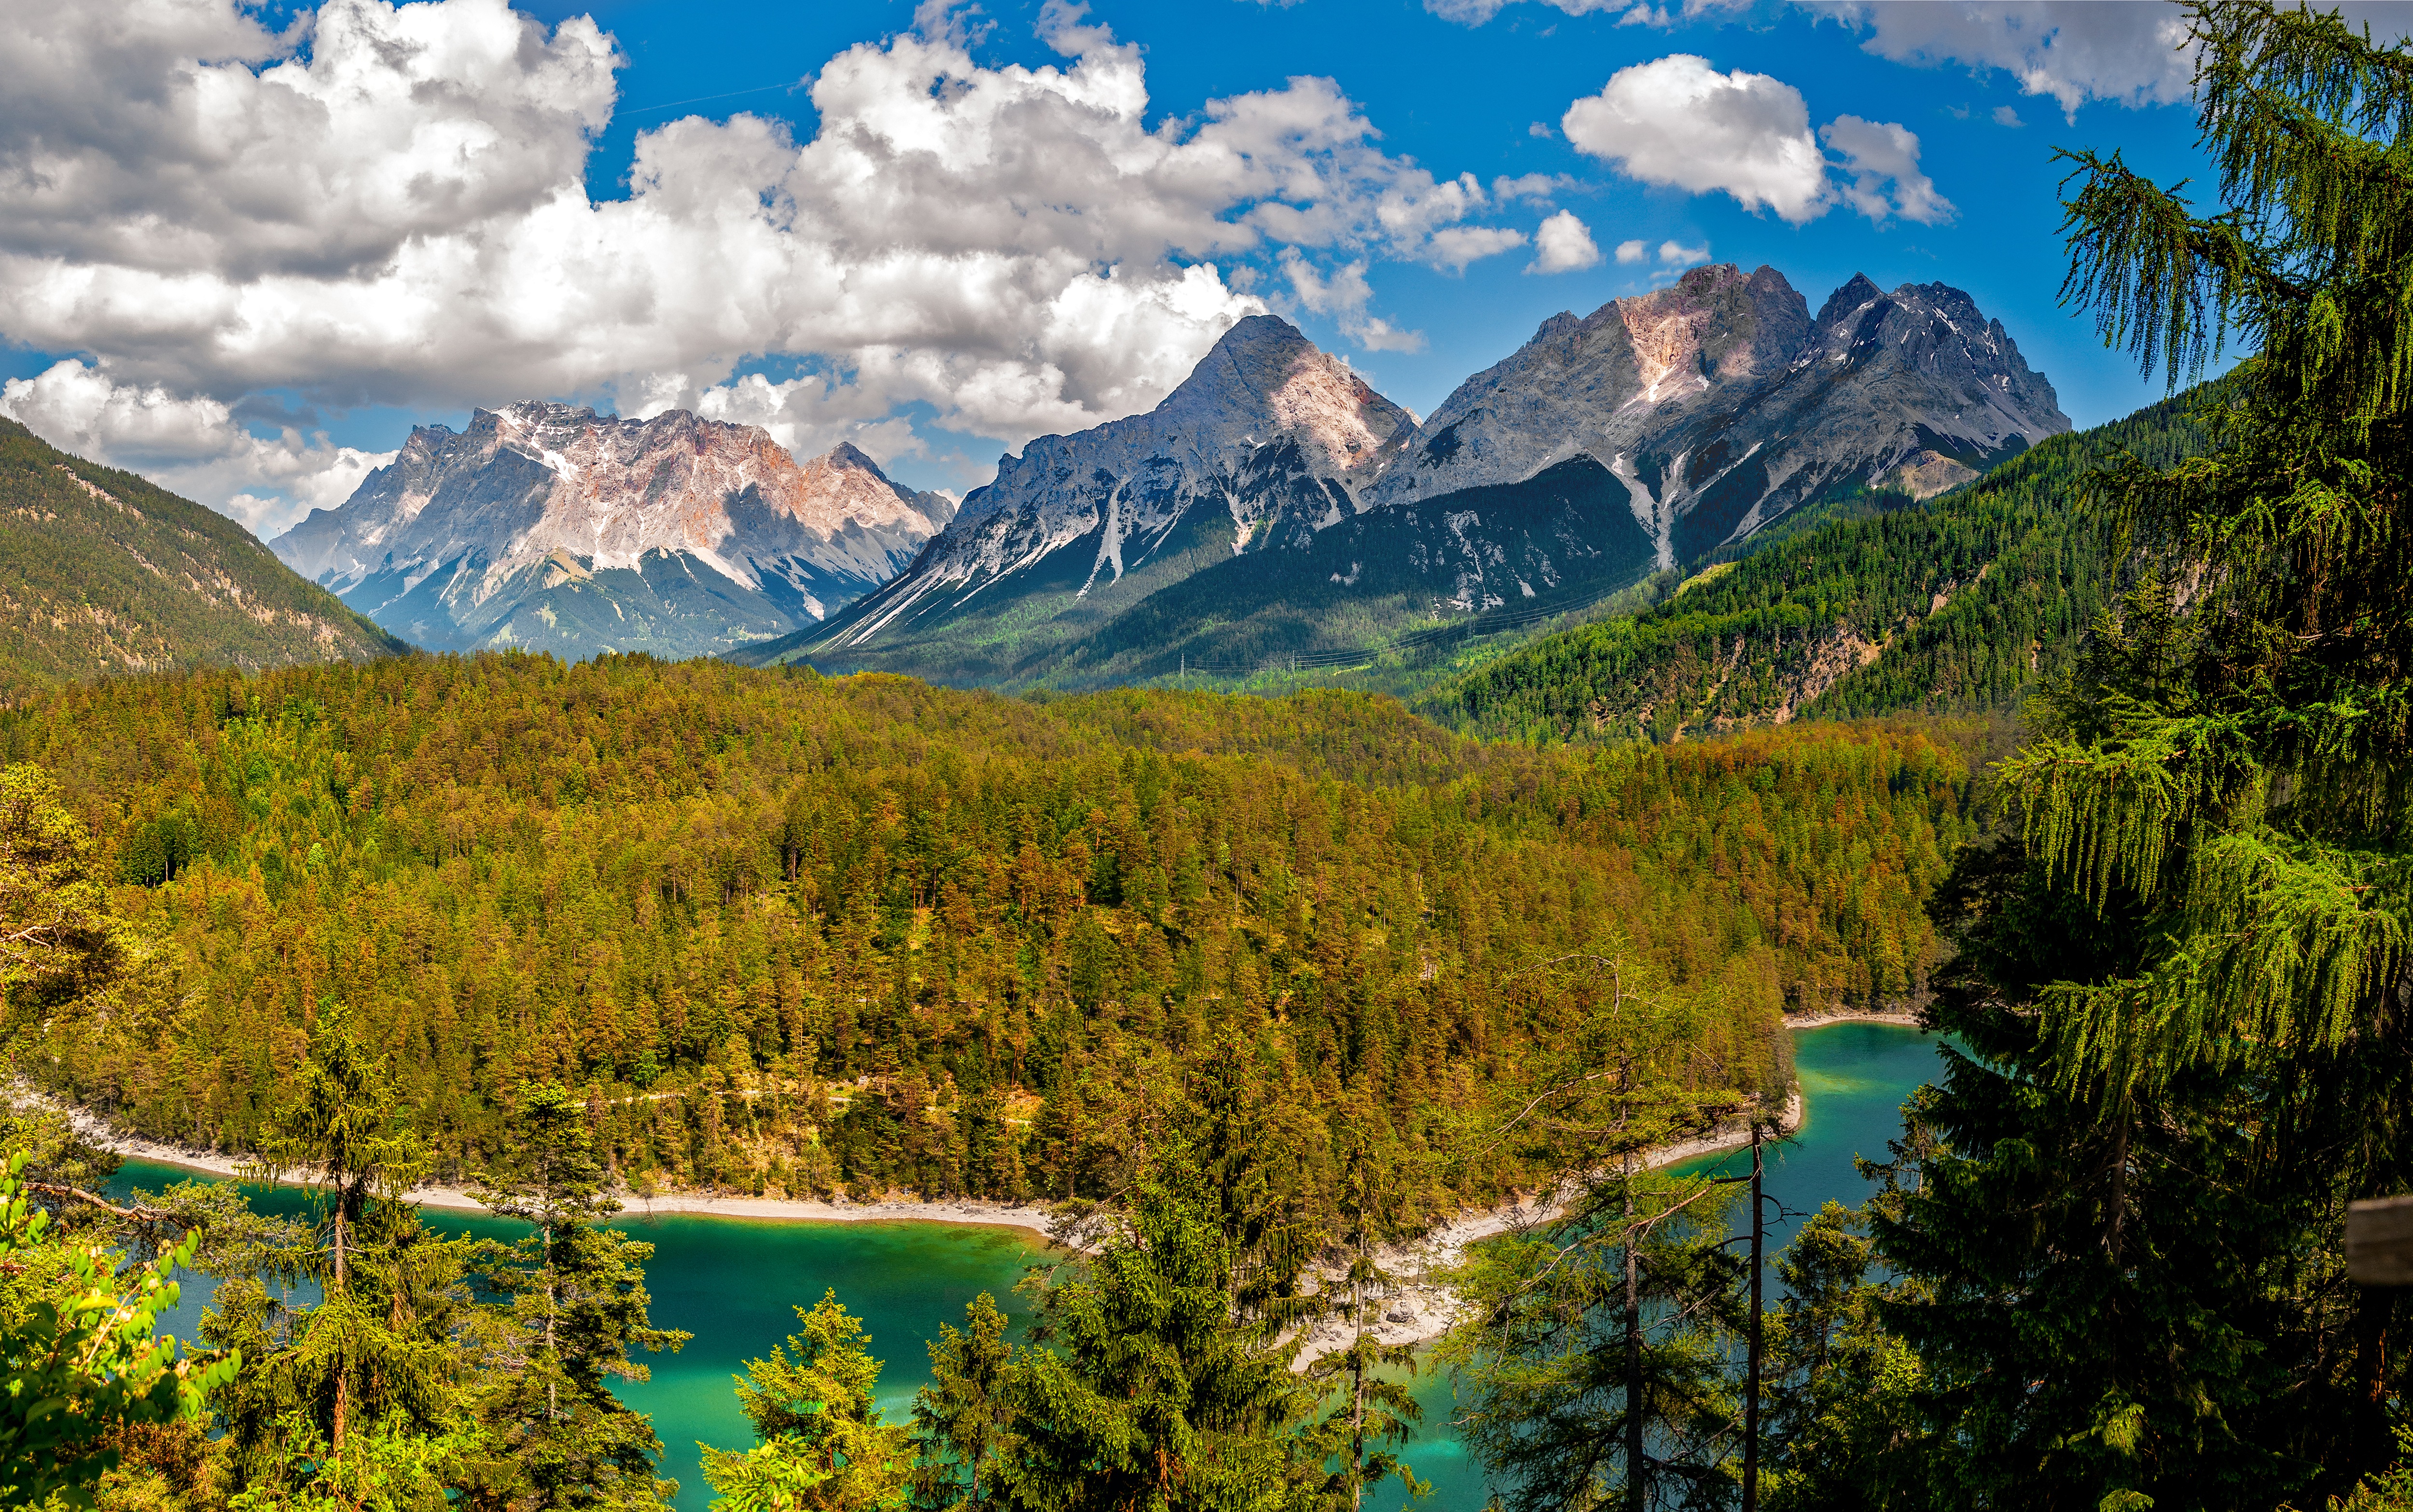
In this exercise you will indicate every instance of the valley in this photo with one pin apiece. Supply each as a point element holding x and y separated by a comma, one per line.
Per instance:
<point>731,1281</point>
<point>1744,917</point>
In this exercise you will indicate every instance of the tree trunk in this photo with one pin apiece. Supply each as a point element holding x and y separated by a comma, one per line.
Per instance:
<point>1358,1389</point>
<point>1637,1465</point>
<point>552,1302</point>
<point>343,1367</point>
<point>1751,1383</point>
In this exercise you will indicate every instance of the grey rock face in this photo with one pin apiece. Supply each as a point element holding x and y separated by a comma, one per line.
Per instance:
<point>552,527</point>
<point>1721,404</point>
<point>1268,438</point>
<point>1273,495</point>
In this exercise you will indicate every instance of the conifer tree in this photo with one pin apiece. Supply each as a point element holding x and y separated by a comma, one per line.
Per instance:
<point>1151,1395</point>
<point>577,1307</point>
<point>1370,1402</point>
<point>378,1349</point>
<point>960,1419</point>
<point>2184,981</point>
<point>820,1443</point>
<point>1598,1359</point>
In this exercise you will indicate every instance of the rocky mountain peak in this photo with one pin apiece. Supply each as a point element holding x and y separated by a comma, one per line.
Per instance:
<point>1861,290</point>
<point>464,537</point>
<point>1716,324</point>
<point>1268,438</point>
<point>1263,379</point>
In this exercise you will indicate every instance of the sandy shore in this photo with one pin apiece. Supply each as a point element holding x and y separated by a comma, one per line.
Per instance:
<point>896,1209</point>
<point>1421,1311</point>
<point>1800,1021</point>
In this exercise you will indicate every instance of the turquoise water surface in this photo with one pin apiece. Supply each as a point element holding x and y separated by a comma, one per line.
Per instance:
<point>732,1282</point>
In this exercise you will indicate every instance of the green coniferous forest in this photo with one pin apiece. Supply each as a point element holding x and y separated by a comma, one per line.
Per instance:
<point>801,935</point>
<point>110,574</point>
<point>1255,989</point>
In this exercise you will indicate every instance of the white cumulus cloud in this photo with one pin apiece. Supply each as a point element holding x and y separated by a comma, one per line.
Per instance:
<point>2071,50</point>
<point>1678,120</point>
<point>1636,251</point>
<point>1880,174</point>
<point>1677,255</point>
<point>1563,244</point>
<point>1343,295</point>
<point>387,204</point>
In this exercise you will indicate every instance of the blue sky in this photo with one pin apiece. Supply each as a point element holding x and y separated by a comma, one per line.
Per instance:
<point>397,231</point>
<point>1462,99</point>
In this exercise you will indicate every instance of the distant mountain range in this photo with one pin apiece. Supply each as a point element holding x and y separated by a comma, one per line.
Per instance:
<point>554,529</point>
<point>1274,505</point>
<point>102,572</point>
<point>1954,605</point>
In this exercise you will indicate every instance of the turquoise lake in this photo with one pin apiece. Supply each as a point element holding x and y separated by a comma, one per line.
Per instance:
<point>733,1282</point>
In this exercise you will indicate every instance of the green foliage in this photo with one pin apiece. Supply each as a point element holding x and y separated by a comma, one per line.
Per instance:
<point>1954,605</point>
<point>1368,1408</point>
<point>58,941</point>
<point>2389,1490</point>
<point>107,574</point>
<point>960,1419</point>
<point>577,1304</point>
<point>782,933</point>
<point>823,1443</point>
<point>2181,980</point>
<point>379,1346</point>
<point>1597,1353</point>
<point>389,1468</point>
<point>1151,1396</point>
<point>1567,1367</point>
<point>1842,1421</point>
<point>80,1361</point>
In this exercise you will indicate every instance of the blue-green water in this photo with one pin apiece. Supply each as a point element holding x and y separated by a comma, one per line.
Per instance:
<point>1855,1077</point>
<point>732,1282</point>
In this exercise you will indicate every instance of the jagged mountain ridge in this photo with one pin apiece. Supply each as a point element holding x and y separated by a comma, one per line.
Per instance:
<point>1957,604</point>
<point>1721,404</point>
<point>104,572</point>
<point>553,527</point>
<point>1267,441</point>
<point>1692,415</point>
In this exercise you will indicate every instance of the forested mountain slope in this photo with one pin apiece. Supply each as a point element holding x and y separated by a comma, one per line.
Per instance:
<point>792,933</point>
<point>1953,604</point>
<point>101,571</point>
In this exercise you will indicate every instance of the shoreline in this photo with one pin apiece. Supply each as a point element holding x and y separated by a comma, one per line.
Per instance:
<point>1823,1021</point>
<point>967,1212</point>
<point>1421,1311</point>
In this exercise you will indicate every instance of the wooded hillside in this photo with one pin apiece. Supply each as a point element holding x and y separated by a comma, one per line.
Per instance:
<point>793,934</point>
<point>103,573</point>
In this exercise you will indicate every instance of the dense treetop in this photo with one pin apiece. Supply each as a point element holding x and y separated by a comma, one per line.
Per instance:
<point>792,933</point>
<point>106,573</point>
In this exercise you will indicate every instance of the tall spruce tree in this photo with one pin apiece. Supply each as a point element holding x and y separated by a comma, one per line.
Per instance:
<point>1154,1394</point>
<point>577,1307</point>
<point>821,1446</point>
<point>1597,1365</point>
<point>2183,982</point>
<point>377,1352</point>
<point>1370,1409</point>
<point>960,1419</point>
